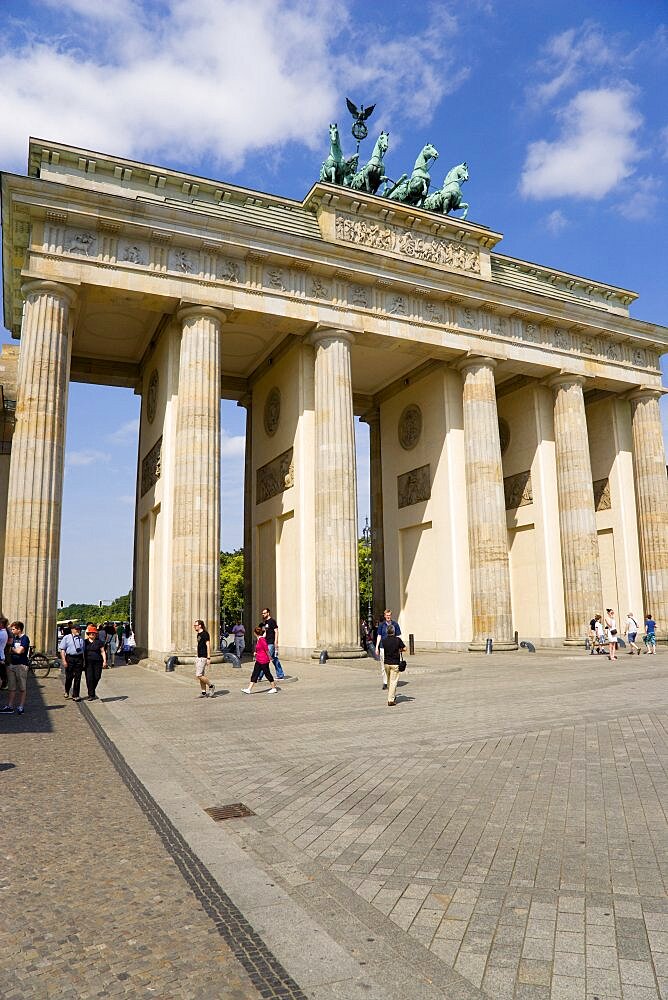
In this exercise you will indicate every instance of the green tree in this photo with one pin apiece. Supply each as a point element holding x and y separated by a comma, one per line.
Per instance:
<point>364,574</point>
<point>117,611</point>
<point>231,584</point>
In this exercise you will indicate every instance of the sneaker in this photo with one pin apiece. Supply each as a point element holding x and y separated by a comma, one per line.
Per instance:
<point>7,709</point>
<point>67,695</point>
<point>245,690</point>
<point>271,691</point>
<point>76,699</point>
<point>92,697</point>
<point>280,677</point>
<point>212,688</point>
<point>19,710</point>
<point>202,694</point>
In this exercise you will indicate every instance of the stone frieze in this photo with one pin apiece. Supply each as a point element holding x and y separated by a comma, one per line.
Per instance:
<point>414,486</point>
<point>275,477</point>
<point>395,239</point>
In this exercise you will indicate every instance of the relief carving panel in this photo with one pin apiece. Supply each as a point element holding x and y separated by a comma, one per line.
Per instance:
<point>517,490</point>
<point>399,240</point>
<point>150,467</point>
<point>414,486</point>
<point>275,477</point>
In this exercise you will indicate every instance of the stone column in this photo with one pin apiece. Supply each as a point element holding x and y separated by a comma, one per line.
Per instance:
<point>337,600</point>
<point>583,594</point>
<point>651,485</point>
<point>372,418</point>
<point>34,501</point>
<point>196,539</point>
<point>488,534</point>
<point>249,619</point>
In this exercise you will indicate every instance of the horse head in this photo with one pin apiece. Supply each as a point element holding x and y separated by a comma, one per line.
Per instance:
<point>428,152</point>
<point>333,132</point>
<point>457,175</point>
<point>383,142</point>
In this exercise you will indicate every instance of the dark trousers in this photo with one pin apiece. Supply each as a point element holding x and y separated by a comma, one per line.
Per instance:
<point>258,670</point>
<point>73,672</point>
<point>93,674</point>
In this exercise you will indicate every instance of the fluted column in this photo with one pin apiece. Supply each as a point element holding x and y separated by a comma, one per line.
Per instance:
<point>583,594</point>
<point>34,501</point>
<point>488,534</point>
<point>196,539</point>
<point>372,418</point>
<point>651,486</point>
<point>249,619</point>
<point>337,600</point>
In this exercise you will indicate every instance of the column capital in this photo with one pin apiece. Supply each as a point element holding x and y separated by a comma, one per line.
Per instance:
<point>321,333</point>
<point>564,379</point>
<point>66,292</point>
<point>474,362</point>
<point>644,392</point>
<point>189,310</point>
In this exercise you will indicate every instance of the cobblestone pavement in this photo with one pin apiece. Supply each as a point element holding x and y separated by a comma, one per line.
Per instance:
<point>507,820</point>
<point>92,903</point>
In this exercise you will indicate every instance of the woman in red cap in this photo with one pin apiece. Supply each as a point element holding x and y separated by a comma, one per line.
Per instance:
<point>95,658</point>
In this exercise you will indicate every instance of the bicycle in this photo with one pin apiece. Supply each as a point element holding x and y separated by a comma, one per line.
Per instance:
<point>40,664</point>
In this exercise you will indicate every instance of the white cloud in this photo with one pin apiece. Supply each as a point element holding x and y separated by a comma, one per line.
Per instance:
<point>218,78</point>
<point>556,222</point>
<point>126,433</point>
<point>571,55</point>
<point>596,150</point>
<point>641,201</point>
<point>232,445</point>
<point>84,456</point>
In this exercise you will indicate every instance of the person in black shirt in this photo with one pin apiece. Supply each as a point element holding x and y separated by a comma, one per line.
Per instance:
<point>203,659</point>
<point>270,627</point>
<point>393,648</point>
<point>95,659</point>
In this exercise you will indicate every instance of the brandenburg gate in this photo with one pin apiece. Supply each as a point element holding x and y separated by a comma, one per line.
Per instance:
<point>518,472</point>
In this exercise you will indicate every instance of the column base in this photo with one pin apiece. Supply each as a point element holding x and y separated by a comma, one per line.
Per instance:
<point>574,642</point>
<point>189,658</point>
<point>497,647</point>
<point>340,653</point>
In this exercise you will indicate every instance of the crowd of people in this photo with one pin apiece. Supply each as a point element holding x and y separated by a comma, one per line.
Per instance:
<point>604,634</point>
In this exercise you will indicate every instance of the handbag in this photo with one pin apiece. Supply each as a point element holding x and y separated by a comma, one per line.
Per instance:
<point>402,665</point>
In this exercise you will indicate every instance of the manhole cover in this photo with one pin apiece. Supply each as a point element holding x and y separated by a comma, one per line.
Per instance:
<point>236,810</point>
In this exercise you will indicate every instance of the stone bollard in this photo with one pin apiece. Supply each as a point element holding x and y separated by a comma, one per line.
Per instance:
<point>488,647</point>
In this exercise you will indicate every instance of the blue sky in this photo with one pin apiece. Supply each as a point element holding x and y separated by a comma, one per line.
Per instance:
<point>559,109</point>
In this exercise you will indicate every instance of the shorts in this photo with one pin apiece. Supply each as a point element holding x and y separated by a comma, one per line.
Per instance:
<point>650,639</point>
<point>17,676</point>
<point>631,636</point>
<point>200,666</point>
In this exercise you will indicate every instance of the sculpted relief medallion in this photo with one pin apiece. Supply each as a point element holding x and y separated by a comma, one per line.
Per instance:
<point>272,411</point>
<point>152,396</point>
<point>410,426</point>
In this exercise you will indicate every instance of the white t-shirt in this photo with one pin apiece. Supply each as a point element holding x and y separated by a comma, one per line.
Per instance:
<point>631,625</point>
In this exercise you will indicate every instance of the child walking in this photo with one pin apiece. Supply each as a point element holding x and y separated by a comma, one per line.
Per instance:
<point>261,665</point>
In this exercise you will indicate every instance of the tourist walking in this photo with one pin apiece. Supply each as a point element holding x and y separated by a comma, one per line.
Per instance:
<point>631,631</point>
<point>611,633</point>
<point>270,627</point>
<point>71,649</point>
<point>392,647</point>
<point>4,639</point>
<point>600,635</point>
<point>380,635</point>
<point>203,660</point>
<point>95,659</point>
<point>261,664</point>
<point>649,637</point>
<point>17,668</point>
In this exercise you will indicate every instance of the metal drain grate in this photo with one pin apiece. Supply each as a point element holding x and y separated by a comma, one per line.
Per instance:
<point>236,810</point>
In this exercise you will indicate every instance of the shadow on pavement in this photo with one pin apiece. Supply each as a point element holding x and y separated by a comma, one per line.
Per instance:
<point>36,718</point>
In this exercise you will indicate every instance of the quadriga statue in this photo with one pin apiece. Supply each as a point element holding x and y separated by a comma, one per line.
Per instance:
<point>449,198</point>
<point>414,189</point>
<point>335,168</point>
<point>372,174</point>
